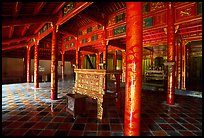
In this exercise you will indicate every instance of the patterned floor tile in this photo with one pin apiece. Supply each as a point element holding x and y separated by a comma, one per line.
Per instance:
<point>30,112</point>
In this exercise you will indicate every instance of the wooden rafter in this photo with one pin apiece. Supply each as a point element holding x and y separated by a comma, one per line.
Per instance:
<point>26,27</point>
<point>16,39</point>
<point>11,31</point>
<point>38,8</point>
<point>17,9</point>
<point>14,46</point>
<point>117,44</point>
<point>59,7</point>
<point>81,6</point>
<point>94,19</point>
<point>27,20</point>
<point>38,29</point>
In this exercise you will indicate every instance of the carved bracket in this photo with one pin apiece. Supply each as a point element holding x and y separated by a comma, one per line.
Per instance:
<point>165,30</point>
<point>176,28</point>
<point>170,66</point>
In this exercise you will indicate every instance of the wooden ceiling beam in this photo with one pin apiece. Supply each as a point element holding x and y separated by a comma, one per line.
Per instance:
<point>14,46</point>
<point>26,27</point>
<point>7,41</point>
<point>80,6</point>
<point>117,44</point>
<point>38,8</point>
<point>26,20</point>
<point>17,9</point>
<point>38,29</point>
<point>67,32</point>
<point>94,19</point>
<point>59,7</point>
<point>11,31</point>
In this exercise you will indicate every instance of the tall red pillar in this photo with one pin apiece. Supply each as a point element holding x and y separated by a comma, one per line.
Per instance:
<point>81,60</point>
<point>115,60</point>
<point>151,58</point>
<point>105,64</point>
<point>170,54</point>
<point>104,56</point>
<point>77,57</point>
<point>97,60</point>
<point>133,88</point>
<point>28,64</point>
<point>178,64</point>
<point>62,66</point>
<point>123,66</point>
<point>183,64</point>
<point>118,93</point>
<point>36,65</point>
<point>54,64</point>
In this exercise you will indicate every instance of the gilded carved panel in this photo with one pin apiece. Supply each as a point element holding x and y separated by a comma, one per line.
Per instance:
<point>156,6</point>
<point>90,83</point>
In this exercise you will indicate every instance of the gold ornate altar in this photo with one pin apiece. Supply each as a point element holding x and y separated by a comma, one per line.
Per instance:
<point>90,82</point>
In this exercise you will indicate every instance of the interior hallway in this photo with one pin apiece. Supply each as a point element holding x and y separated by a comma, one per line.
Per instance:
<point>30,112</point>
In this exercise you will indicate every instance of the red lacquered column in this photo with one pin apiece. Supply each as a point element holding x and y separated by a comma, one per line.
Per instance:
<point>179,65</point>
<point>183,65</point>
<point>28,64</point>
<point>170,54</point>
<point>82,60</point>
<point>151,58</point>
<point>54,65</point>
<point>118,98</point>
<point>36,64</point>
<point>115,59</point>
<point>62,66</point>
<point>105,63</point>
<point>104,56</point>
<point>77,57</point>
<point>133,69</point>
<point>97,60</point>
<point>123,66</point>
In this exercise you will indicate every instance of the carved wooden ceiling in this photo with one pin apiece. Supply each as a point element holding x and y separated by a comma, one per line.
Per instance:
<point>22,20</point>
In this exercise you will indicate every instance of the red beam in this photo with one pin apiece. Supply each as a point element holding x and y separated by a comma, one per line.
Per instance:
<point>14,46</point>
<point>40,37</point>
<point>25,29</point>
<point>59,7</point>
<point>189,32</point>
<point>38,29</point>
<point>185,28</point>
<point>86,52</point>
<point>93,19</point>
<point>80,6</point>
<point>151,34</point>
<point>38,8</point>
<point>66,33</point>
<point>154,38</point>
<point>27,20</point>
<point>16,39</point>
<point>11,31</point>
<point>17,9</point>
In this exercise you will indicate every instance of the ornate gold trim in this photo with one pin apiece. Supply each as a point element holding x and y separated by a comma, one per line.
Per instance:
<point>176,28</point>
<point>165,30</point>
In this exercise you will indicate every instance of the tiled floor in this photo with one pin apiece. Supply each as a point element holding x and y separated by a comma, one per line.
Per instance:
<point>30,112</point>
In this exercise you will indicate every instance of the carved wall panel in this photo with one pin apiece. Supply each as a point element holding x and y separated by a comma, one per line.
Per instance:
<point>185,12</point>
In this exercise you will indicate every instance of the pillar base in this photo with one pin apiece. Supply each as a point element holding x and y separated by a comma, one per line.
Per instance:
<point>171,105</point>
<point>35,88</point>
